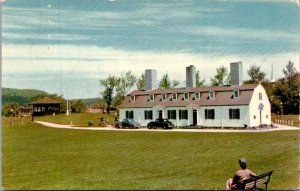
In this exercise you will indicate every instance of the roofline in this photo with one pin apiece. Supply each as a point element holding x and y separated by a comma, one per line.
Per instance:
<point>245,87</point>
<point>189,107</point>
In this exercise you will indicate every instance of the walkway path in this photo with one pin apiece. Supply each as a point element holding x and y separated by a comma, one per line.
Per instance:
<point>110,128</point>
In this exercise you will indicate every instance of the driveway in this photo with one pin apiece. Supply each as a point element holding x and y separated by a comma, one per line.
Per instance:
<point>110,128</point>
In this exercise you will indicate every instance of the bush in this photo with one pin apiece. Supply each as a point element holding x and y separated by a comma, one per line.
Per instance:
<point>90,123</point>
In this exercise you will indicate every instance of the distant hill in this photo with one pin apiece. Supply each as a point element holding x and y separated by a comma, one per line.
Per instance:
<point>21,96</point>
<point>24,96</point>
<point>89,101</point>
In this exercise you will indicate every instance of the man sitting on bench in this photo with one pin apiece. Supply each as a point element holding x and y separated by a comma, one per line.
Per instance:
<point>241,174</point>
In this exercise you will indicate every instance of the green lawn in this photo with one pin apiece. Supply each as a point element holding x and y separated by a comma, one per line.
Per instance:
<point>37,157</point>
<point>78,119</point>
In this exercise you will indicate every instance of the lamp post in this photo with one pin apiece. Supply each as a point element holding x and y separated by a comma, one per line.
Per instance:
<point>281,109</point>
<point>11,116</point>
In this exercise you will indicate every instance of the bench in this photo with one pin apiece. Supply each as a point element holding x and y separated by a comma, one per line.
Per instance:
<point>254,182</point>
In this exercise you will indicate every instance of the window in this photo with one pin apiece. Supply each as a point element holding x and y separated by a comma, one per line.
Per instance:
<point>267,116</point>
<point>234,113</point>
<point>151,97</point>
<point>129,114</point>
<point>209,114</point>
<point>197,95</point>
<point>183,114</point>
<point>133,98</point>
<point>260,96</point>
<point>174,96</point>
<point>254,116</point>
<point>211,95</point>
<point>171,114</point>
<point>186,96</point>
<point>236,93</point>
<point>148,114</point>
<point>163,97</point>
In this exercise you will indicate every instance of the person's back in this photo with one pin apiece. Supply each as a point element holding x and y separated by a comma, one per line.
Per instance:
<point>241,174</point>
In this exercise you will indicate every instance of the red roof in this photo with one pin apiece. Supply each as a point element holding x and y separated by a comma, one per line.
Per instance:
<point>46,100</point>
<point>223,96</point>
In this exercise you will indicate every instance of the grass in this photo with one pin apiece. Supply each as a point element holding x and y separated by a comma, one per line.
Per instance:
<point>78,119</point>
<point>294,118</point>
<point>40,158</point>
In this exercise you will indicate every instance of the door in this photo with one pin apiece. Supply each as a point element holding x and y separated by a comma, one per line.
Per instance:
<point>194,117</point>
<point>160,114</point>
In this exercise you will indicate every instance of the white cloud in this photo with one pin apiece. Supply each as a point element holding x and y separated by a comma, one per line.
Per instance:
<point>98,62</point>
<point>78,71</point>
<point>245,33</point>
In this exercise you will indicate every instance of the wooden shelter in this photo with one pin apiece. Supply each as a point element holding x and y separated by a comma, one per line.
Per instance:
<point>45,106</point>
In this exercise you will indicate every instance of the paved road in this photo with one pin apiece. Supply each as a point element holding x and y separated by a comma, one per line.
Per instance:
<point>110,128</point>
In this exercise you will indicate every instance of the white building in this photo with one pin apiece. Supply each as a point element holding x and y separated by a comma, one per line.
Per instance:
<point>216,106</point>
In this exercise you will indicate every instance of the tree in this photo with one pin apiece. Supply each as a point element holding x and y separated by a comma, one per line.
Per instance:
<point>125,83</point>
<point>10,109</point>
<point>78,106</point>
<point>286,90</point>
<point>165,82</point>
<point>255,74</point>
<point>109,84</point>
<point>221,78</point>
<point>141,82</point>
<point>290,73</point>
<point>199,82</point>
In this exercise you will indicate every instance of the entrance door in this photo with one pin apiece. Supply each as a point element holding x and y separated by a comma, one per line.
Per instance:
<point>194,117</point>
<point>260,122</point>
<point>160,114</point>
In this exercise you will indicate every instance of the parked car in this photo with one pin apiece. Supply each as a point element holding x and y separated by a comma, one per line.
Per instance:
<point>130,123</point>
<point>160,123</point>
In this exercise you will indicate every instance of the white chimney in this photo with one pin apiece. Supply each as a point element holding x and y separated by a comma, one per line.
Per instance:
<point>191,76</point>
<point>150,79</point>
<point>236,71</point>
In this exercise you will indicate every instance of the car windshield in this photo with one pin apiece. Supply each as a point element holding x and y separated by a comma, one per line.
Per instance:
<point>130,120</point>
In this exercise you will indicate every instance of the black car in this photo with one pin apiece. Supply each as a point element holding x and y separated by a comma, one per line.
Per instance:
<point>130,123</point>
<point>161,123</point>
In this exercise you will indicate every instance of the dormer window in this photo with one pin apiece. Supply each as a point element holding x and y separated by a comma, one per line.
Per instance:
<point>133,98</point>
<point>151,97</point>
<point>197,95</point>
<point>174,96</point>
<point>236,94</point>
<point>211,95</point>
<point>163,97</point>
<point>186,96</point>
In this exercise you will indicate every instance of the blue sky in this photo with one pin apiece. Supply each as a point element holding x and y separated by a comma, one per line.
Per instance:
<point>65,47</point>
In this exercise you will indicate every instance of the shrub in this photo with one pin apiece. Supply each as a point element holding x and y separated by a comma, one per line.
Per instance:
<point>90,123</point>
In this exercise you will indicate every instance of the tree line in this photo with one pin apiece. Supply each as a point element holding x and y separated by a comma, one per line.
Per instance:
<point>283,93</point>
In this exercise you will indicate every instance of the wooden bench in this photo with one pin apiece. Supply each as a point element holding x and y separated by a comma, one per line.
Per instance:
<point>254,182</point>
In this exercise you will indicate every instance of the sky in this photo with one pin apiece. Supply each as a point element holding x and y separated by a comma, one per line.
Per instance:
<point>66,47</point>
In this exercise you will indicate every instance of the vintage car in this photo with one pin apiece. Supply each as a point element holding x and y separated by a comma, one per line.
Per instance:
<point>130,123</point>
<point>160,123</point>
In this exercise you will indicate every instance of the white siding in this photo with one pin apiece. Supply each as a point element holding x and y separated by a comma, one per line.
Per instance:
<point>138,115</point>
<point>222,117</point>
<point>254,108</point>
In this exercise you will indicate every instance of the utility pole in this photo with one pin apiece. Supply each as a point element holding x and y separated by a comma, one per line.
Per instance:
<point>67,109</point>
